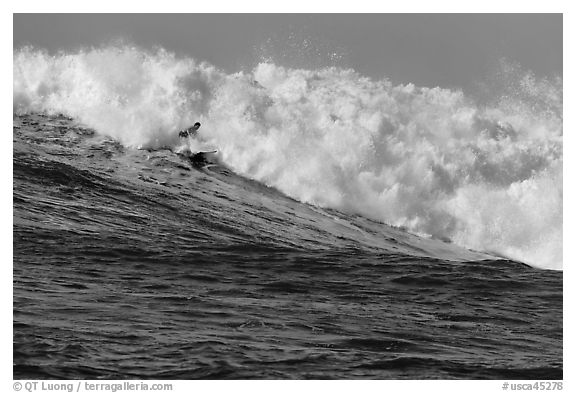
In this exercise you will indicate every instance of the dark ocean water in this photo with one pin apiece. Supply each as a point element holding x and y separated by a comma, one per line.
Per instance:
<point>136,264</point>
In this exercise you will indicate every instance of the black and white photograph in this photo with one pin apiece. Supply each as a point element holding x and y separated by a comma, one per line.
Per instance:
<point>274,196</point>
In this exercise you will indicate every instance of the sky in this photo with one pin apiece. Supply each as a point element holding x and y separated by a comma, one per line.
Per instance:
<point>446,50</point>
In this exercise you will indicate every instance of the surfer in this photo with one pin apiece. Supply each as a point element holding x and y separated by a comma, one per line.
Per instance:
<point>192,131</point>
<point>188,132</point>
<point>198,157</point>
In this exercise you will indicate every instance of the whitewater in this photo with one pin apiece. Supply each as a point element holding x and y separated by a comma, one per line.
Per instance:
<point>484,174</point>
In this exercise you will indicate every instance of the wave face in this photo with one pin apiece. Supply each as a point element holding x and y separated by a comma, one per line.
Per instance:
<point>488,176</point>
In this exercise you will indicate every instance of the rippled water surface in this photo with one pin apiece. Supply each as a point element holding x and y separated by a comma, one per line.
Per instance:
<point>137,264</point>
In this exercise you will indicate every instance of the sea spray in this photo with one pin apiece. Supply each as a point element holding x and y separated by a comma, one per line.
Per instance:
<point>488,176</point>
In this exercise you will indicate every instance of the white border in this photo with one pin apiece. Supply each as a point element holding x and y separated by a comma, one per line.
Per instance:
<point>292,6</point>
<point>298,6</point>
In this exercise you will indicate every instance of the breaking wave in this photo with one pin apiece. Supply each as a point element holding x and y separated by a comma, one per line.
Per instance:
<point>486,175</point>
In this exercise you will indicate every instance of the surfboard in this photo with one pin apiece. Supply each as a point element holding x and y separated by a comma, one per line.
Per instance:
<point>201,157</point>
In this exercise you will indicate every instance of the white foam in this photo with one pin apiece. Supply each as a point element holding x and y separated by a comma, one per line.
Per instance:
<point>487,176</point>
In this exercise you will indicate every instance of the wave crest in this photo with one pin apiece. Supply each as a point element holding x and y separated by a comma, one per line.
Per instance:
<point>488,176</point>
